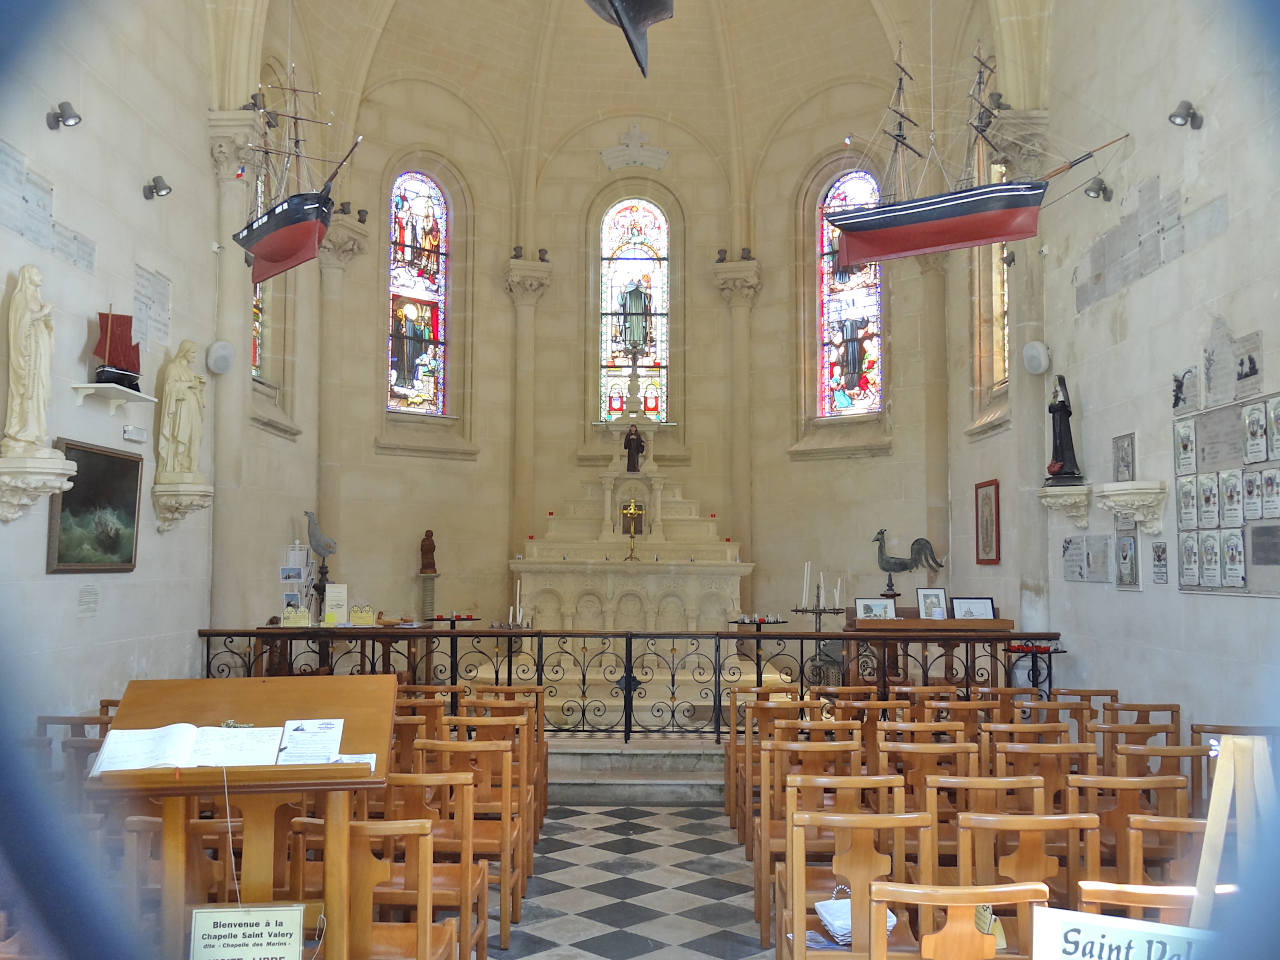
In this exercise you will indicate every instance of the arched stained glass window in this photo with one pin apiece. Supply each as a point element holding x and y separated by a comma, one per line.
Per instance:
<point>417,342</point>
<point>849,355</point>
<point>635,298</point>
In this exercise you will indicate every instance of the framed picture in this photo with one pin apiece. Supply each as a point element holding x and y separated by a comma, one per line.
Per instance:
<point>874,608</point>
<point>986,519</point>
<point>1123,467</point>
<point>93,527</point>
<point>932,602</point>
<point>973,608</point>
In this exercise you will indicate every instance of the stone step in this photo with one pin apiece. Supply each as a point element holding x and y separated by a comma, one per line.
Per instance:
<point>646,770</point>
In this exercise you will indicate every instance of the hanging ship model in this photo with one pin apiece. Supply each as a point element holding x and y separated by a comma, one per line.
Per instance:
<point>971,216</point>
<point>288,228</point>
<point>117,351</point>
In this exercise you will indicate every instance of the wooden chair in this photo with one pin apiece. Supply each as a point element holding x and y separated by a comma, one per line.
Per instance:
<point>1170,713</point>
<point>919,695</point>
<point>1095,697</point>
<point>1052,761</point>
<point>959,938</point>
<point>1012,699</point>
<point>1192,762</point>
<point>948,796</point>
<point>1173,843</point>
<point>870,713</point>
<point>984,837</point>
<point>1169,904</point>
<point>372,939</point>
<point>732,754</point>
<point>1078,712</point>
<point>1114,799</point>
<point>513,730</point>
<point>916,762</point>
<point>778,760</point>
<point>821,731</point>
<point>448,800</point>
<point>989,734</point>
<point>861,794</point>
<point>404,731</point>
<point>537,694</point>
<point>969,712</point>
<point>496,829</point>
<point>536,776</point>
<point>760,718</point>
<point>855,863</point>
<point>1114,734</point>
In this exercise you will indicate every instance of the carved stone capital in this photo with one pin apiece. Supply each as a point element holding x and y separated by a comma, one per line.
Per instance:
<point>738,282</point>
<point>1072,501</point>
<point>1144,499</point>
<point>345,240</point>
<point>174,501</point>
<point>527,281</point>
<point>24,480</point>
<point>1019,135</point>
<point>230,134</point>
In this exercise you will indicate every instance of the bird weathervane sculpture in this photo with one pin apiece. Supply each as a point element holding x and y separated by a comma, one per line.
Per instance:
<point>323,547</point>
<point>922,555</point>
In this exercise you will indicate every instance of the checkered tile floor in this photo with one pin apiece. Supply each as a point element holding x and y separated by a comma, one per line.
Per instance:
<point>625,883</point>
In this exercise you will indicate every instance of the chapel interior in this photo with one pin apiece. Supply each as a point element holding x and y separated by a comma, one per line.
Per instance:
<point>769,464</point>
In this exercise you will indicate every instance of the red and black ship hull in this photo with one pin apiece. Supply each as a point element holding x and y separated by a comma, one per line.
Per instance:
<point>972,217</point>
<point>288,234</point>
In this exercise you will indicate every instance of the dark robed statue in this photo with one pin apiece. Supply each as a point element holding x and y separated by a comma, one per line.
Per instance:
<point>1063,468</point>
<point>633,443</point>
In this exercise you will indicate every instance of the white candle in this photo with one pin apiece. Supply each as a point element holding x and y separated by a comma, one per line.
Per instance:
<point>821,584</point>
<point>511,613</point>
<point>804,594</point>
<point>517,594</point>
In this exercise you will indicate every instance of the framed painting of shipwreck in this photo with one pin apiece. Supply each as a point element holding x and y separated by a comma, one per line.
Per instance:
<point>93,527</point>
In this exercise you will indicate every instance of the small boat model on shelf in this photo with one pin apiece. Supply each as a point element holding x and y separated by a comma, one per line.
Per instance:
<point>971,216</point>
<point>117,351</point>
<point>289,229</point>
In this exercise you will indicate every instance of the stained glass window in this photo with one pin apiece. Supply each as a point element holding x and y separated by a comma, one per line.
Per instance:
<point>417,341</point>
<point>635,297</point>
<point>849,369</point>
<point>257,332</point>
<point>999,299</point>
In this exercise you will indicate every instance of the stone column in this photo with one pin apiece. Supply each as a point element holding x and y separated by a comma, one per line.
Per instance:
<point>739,283</point>
<point>606,524</point>
<point>655,515</point>
<point>230,133</point>
<point>933,340</point>
<point>1025,522</point>
<point>346,240</point>
<point>526,282</point>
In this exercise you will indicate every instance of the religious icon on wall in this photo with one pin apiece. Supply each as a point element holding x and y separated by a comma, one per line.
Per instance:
<point>986,505</point>
<point>1160,562</point>
<point>1122,458</point>
<point>1184,447</point>
<point>1127,561</point>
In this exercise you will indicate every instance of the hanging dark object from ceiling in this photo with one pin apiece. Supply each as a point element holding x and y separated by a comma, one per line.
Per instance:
<point>635,17</point>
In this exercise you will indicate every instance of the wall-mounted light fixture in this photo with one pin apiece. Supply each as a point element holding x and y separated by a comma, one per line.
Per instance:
<point>65,116</point>
<point>344,207</point>
<point>1097,187</point>
<point>362,215</point>
<point>156,188</point>
<point>1185,115</point>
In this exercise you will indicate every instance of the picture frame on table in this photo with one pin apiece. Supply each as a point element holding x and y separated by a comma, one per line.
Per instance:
<point>986,521</point>
<point>932,602</point>
<point>93,527</point>
<point>973,608</point>
<point>874,608</point>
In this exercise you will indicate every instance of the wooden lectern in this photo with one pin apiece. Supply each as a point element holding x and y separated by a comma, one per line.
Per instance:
<point>366,705</point>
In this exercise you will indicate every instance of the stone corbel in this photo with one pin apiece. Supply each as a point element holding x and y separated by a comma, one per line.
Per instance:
<point>738,281</point>
<point>24,480</point>
<point>1144,499</point>
<point>1073,501</point>
<point>345,240</point>
<point>174,501</point>
<point>527,280</point>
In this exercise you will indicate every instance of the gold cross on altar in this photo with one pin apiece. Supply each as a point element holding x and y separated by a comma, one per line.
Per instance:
<point>633,518</point>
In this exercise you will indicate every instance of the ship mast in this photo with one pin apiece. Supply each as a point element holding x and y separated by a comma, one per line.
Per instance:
<point>896,172</point>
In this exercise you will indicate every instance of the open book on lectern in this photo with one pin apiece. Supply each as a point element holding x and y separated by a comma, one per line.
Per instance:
<point>186,745</point>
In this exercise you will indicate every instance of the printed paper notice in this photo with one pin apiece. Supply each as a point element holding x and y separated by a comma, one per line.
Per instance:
<point>1270,494</point>
<point>1273,428</point>
<point>1187,503</point>
<point>1160,562</point>
<point>1207,505</point>
<point>1232,558</point>
<point>1253,495</point>
<point>1189,559</point>
<point>247,933</point>
<point>310,741</point>
<point>1255,432</point>
<point>1073,559</point>
<point>1184,447</point>
<point>1210,559</point>
<point>335,604</point>
<point>37,220</point>
<point>87,607</point>
<point>1231,490</point>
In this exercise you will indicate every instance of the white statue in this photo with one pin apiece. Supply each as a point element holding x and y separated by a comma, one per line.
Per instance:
<point>181,419</point>
<point>26,432</point>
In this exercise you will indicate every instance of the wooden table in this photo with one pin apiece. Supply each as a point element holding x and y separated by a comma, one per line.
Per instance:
<point>366,705</point>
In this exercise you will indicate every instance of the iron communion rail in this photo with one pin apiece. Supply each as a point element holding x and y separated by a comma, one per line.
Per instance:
<point>638,683</point>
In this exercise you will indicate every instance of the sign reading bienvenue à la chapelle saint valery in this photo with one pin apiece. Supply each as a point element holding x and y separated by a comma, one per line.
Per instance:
<point>1069,935</point>
<point>247,933</point>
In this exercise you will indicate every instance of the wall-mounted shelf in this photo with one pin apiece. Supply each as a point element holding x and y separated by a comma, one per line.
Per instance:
<point>1072,500</point>
<point>1144,499</point>
<point>113,393</point>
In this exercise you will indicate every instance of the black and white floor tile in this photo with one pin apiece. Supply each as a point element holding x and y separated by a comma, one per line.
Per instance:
<point>636,883</point>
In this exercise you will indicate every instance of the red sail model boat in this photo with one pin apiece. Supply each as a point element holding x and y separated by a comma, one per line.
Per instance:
<point>116,349</point>
<point>289,230</point>
<point>969,217</point>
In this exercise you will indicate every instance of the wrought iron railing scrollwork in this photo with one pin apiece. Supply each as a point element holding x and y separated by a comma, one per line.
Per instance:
<point>632,682</point>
